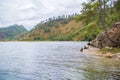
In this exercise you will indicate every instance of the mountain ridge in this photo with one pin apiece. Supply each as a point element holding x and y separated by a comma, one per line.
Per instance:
<point>11,32</point>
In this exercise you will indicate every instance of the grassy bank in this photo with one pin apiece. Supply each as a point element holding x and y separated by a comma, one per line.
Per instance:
<point>110,50</point>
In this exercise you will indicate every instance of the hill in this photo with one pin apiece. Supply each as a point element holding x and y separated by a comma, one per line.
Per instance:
<point>11,32</point>
<point>61,29</point>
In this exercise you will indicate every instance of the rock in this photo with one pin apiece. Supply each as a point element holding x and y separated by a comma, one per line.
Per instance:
<point>109,55</point>
<point>111,38</point>
<point>81,49</point>
<point>117,55</point>
<point>86,47</point>
<point>108,47</point>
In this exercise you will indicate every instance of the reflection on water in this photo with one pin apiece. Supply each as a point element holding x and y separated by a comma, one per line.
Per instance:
<point>53,61</point>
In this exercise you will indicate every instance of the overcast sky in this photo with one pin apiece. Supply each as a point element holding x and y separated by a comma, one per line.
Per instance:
<point>31,12</point>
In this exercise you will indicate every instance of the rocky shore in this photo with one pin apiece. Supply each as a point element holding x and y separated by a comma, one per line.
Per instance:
<point>109,40</point>
<point>109,37</point>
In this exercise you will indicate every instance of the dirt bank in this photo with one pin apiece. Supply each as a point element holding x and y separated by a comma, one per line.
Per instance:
<point>96,51</point>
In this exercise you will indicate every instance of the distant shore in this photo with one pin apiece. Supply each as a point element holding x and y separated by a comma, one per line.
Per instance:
<point>96,51</point>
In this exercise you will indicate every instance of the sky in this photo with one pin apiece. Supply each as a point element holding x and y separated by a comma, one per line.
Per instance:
<point>31,12</point>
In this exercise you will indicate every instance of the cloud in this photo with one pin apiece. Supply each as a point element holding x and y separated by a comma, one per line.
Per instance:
<point>31,12</point>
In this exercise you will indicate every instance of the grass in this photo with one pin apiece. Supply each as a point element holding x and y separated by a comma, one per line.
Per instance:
<point>111,50</point>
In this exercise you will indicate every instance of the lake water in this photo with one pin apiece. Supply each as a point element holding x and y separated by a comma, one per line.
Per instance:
<point>54,61</point>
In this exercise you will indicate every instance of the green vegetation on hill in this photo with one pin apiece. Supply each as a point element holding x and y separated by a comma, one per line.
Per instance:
<point>100,14</point>
<point>61,29</point>
<point>11,32</point>
<point>96,16</point>
<point>88,32</point>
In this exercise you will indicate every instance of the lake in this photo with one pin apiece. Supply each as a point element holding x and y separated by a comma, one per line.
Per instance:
<point>54,61</point>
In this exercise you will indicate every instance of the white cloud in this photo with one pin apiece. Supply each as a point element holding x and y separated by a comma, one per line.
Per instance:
<point>31,12</point>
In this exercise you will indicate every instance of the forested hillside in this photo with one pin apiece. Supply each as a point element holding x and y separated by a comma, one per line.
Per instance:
<point>96,16</point>
<point>11,32</point>
<point>103,13</point>
<point>59,28</point>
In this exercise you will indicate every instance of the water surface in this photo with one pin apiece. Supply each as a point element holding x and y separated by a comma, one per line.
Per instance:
<point>54,61</point>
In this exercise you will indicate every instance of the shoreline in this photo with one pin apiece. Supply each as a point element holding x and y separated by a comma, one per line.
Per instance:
<point>97,52</point>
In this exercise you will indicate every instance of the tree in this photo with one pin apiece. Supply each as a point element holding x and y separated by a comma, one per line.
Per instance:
<point>90,12</point>
<point>99,11</point>
<point>117,5</point>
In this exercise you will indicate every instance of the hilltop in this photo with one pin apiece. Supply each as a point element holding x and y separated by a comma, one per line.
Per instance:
<point>11,32</point>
